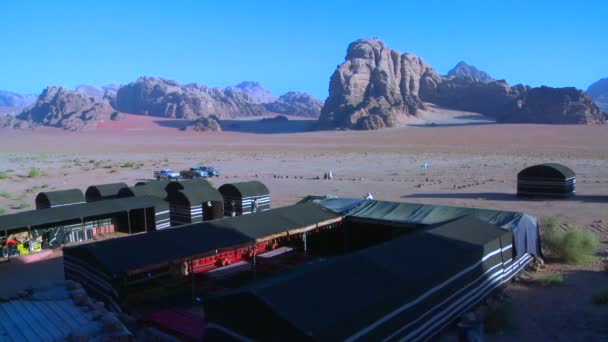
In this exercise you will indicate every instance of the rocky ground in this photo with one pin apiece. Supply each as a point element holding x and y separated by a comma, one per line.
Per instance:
<point>467,166</point>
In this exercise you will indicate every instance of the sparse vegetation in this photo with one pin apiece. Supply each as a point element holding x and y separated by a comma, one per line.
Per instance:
<point>600,296</point>
<point>3,175</point>
<point>113,170</point>
<point>5,194</point>
<point>33,173</point>
<point>9,170</point>
<point>554,279</point>
<point>22,205</point>
<point>499,319</point>
<point>33,189</point>
<point>2,211</point>
<point>571,244</point>
<point>128,164</point>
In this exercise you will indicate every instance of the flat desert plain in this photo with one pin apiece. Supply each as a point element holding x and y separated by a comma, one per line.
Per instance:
<point>468,165</point>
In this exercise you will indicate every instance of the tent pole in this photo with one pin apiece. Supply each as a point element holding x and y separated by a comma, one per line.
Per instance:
<point>145,220</point>
<point>84,234</point>
<point>253,263</point>
<point>192,277</point>
<point>129,221</point>
<point>305,244</point>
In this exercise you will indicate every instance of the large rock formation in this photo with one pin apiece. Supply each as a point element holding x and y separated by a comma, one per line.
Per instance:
<point>70,110</point>
<point>12,103</point>
<point>165,98</point>
<point>256,92</point>
<point>10,121</point>
<point>462,69</point>
<point>598,92</point>
<point>296,103</point>
<point>375,86</point>
<point>205,124</point>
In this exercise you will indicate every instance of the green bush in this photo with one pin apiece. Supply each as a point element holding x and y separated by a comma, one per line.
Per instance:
<point>3,175</point>
<point>600,296</point>
<point>33,173</point>
<point>127,164</point>
<point>22,205</point>
<point>571,244</point>
<point>5,194</point>
<point>2,211</point>
<point>554,279</point>
<point>9,170</point>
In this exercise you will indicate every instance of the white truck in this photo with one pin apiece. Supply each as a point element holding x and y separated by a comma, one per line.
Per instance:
<point>166,174</point>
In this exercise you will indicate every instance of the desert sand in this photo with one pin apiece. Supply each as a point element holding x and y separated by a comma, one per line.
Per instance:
<point>468,165</point>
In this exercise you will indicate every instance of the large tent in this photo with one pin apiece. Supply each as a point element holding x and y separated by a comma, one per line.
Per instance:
<point>245,198</point>
<point>414,215</point>
<point>103,191</point>
<point>137,258</point>
<point>194,201</point>
<point>63,224</point>
<point>51,199</point>
<point>548,180</point>
<point>408,288</point>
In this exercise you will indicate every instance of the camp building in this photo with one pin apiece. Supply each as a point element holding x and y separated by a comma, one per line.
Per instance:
<point>546,180</point>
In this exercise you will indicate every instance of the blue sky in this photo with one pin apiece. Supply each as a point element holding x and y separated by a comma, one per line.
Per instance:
<point>293,45</point>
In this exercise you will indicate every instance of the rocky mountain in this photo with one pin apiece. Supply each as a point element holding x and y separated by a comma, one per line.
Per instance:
<point>598,92</point>
<point>10,121</point>
<point>70,110</point>
<point>12,102</point>
<point>296,103</point>
<point>376,87</point>
<point>204,124</point>
<point>462,69</point>
<point>164,98</point>
<point>256,92</point>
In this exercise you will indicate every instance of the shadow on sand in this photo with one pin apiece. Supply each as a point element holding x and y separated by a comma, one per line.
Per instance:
<point>454,124</point>
<point>500,196</point>
<point>267,127</point>
<point>176,123</point>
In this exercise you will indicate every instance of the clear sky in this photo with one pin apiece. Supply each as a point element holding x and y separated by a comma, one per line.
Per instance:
<point>293,45</point>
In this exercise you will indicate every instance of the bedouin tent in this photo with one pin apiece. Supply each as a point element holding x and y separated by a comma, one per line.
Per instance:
<point>103,191</point>
<point>193,201</point>
<point>58,225</point>
<point>414,215</point>
<point>156,191</point>
<point>408,288</point>
<point>51,199</point>
<point>107,268</point>
<point>547,180</point>
<point>245,198</point>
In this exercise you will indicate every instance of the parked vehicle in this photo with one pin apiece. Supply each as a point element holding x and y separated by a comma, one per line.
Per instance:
<point>193,173</point>
<point>213,172</point>
<point>166,174</point>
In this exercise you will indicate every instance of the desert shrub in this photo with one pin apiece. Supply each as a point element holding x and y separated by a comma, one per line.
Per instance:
<point>9,170</point>
<point>33,189</point>
<point>128,164</point>
<point>22,205</point>
<point>113,170</point>
<point>5,194</point>
<point>2,211</point>
<point>600,296</point>
<point>571,244</point>
<point>554,279</point>
<point>3,175</point>
<point>34,172</point>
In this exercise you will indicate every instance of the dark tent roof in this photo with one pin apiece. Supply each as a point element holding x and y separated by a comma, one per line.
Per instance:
<point>523,226</point>
<point>549,171</point>
<point>244,189</point>
<point>103,191</point>
<point>77,211</point>
<point>137,251</point>
<point>410,275</point>
<point>49,199</point>
<point>193,192</point>
<point>143,190</point>
<point>155,183</point>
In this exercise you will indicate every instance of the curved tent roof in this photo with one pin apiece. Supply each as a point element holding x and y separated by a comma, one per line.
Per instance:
<point>143,190</point>
<point>244,189</point>
<point>155,183</point>
<point>103,191</point>
<point>193,191</point>
<point>549,171</point>
<point>49,199</point>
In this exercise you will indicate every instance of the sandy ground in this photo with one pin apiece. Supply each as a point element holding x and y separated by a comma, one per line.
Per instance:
<point>469,165</point>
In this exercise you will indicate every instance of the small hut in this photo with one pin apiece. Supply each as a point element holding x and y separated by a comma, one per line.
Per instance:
<point>60,198</point>
<point>103,191</point>
<point>194,201</point>
<point>245,198</point>
<point>546,180</point>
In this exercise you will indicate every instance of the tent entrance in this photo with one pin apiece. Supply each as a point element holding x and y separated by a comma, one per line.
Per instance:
<point>213,210</point>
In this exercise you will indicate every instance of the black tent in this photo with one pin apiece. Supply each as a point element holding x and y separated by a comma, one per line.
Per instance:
<point>103,191</point>
<point>156,191</point>
<point>547,180</point>
<point>408,288</point>
<point>50,199</point>
<point>194,201</point>
<point>245,198</point>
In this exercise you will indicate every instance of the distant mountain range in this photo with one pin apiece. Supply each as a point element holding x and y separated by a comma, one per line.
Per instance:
<point>13,103</point>
<point>598,91</point>
<point>85,106</point>
<point>376,86</point>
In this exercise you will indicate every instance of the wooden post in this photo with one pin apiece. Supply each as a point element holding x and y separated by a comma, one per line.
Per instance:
<point>305,244</point>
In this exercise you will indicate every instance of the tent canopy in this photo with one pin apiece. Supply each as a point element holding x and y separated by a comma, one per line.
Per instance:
<point>547,171</point>
<point>406,277</point>
<point>103,191</point>
<point>143,190</point>
<point>48,199</point>
<point>74,212</point>
<point>193,192</point>
<point>244,189</point>
<point>523,226</point>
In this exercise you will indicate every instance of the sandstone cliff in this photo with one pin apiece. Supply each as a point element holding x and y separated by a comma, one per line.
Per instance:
<point>296,103</point>
<point>462,69</point>
<point>256,92</point>
<point>598,92</point>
